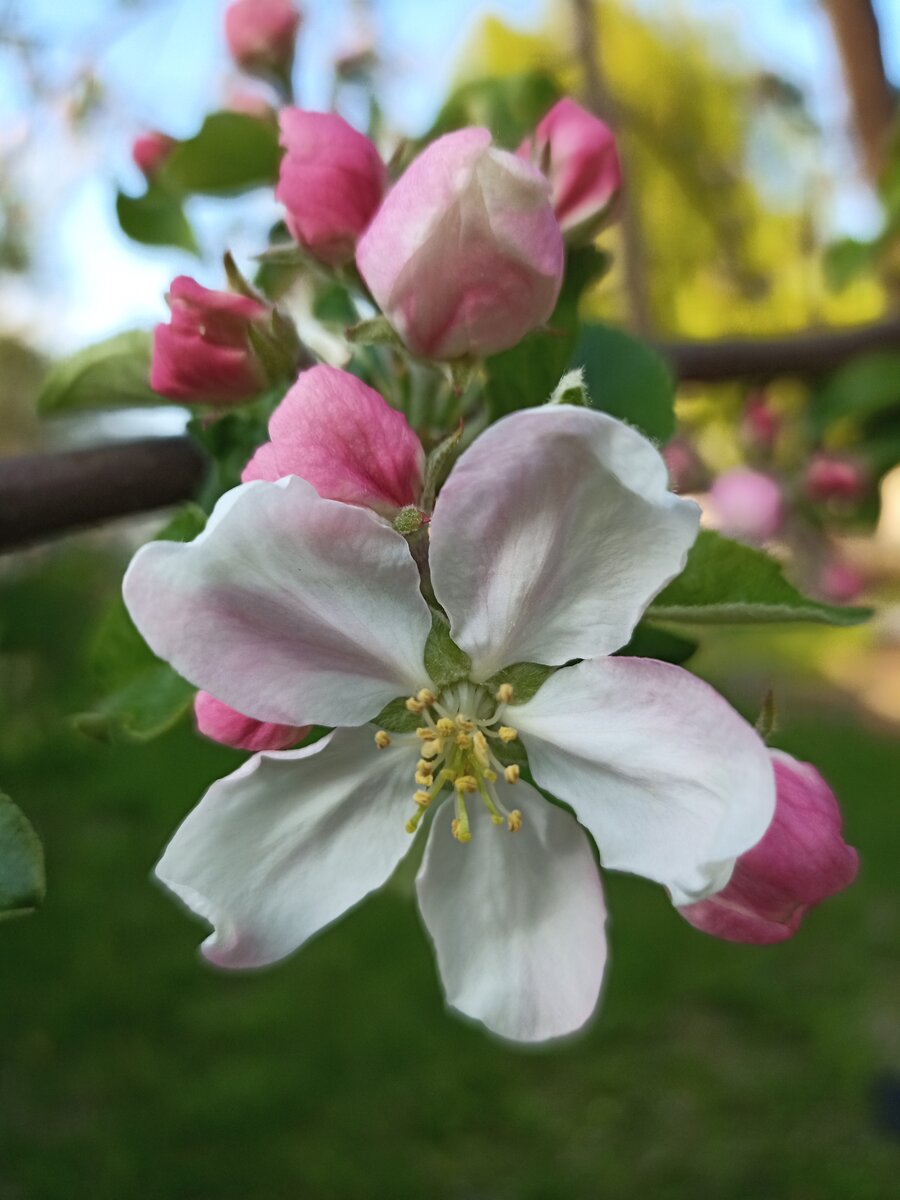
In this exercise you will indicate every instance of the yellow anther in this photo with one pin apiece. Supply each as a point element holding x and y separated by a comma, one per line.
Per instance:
<point>507,733</point>
<point>464,724</point>
<point>414,706</point>
<point>514,821</point>
<point>464,741</point>
<point>424,778</point>
<point>511,773</point>
<point>411,825</point>
<point>432,749</point>
<point>426,697</point>
<point>490,776</point>
<point>447,775</point>
<point>505,693</point>
<point>423,799</point>
<point>382,739</point>
<point>446,727</point>
<point>426,734</point>
<point>466,783</point>
<point>481,746</point>
<point>460,831</point>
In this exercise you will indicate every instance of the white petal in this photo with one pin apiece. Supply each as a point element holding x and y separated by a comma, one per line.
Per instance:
<point>551,536</point>
<point>670,781</point>
<point>516,918</point>
<point>290,841</point>
<point>289,608</point>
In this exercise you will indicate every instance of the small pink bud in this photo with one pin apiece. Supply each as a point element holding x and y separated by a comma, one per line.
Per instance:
<point>217,721</point>
<point>760,425</point>
<point>338,434</point>
<point>686,471</point>
<point>577,152</point>
<point>331,182</point>
<point>834,477</point>
<point>204,355</point>
<point>841,582</point>
<point>261,35</point>
<point>465,255</point>
<point>801,861</point>
<point>150,151</point>
<point>747,504</point>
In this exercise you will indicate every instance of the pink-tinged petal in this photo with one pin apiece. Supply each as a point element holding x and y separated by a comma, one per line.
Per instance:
<point>517,919</point>
<point>669,780</point>
<point>552,534</point>
<point>340,435</point>
<point>801,860</point>
<point>478,220</point>
<point>217,721</point>
<point>291,841</point>
<point>747,505</point>
<point>292,609</point>
<point>331,183</point>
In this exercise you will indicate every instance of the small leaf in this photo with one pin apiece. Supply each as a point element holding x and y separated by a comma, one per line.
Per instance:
<point>147,707</point>
<point>628,379</point>
<point>727,583</point>
<point>155,219</point>
<point>860,390</point>
<point>232,152</point>
<point>22,883</point>
<point>510,107</point>
<point>526,678</point>
<point>444,661</point>
<point>114,373</point>
<point>649,641</point>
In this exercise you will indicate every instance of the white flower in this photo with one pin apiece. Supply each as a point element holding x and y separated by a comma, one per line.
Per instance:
<point>551,536</point>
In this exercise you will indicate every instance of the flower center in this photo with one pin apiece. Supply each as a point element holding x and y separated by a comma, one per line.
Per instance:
<point>458,733</point>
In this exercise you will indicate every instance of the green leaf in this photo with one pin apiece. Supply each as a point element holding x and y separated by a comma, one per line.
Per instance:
<point>147,707</point>
<point>860,390</point>
<point>233,152</point>
<point>627,378</point>
<point>727,583</point>
<point>509,107</point>
<point>155,219</point>
<point>846,260</point>
<point>114,373</point>
<point>648,641</point>
<point>525,678</point>
<point>21,863</point>
<point>444,661</point>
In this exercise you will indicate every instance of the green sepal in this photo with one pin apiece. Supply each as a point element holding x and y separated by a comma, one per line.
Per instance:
<point>395,717</point>
<point>438,465</point>
<point>22,881</point>
<point>444,661</point>
<point>571,389</point>
<point>378,331</point>
<point>526,678</point>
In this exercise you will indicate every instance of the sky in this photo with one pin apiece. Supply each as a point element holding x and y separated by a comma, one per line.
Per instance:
<point>165,67</point>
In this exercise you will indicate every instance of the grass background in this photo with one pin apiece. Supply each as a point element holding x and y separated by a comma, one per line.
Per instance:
<point>128,1069</point>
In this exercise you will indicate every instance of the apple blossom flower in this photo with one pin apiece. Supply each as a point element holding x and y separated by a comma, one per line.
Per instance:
<point>340,435</point>
<point>801,860</point>
<point>299,609</point>
<point>577,152</point>
<point>834,477</point>
<point>331,182</point>
<point>747,504</point>
<point>150,151</point>
<point>204,355</point>
<point>217,721</point>
<point>478,221</point>
<point>261,35</point>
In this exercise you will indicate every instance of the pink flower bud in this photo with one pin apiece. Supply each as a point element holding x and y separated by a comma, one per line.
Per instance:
<point>261,34</point>
<point>338,434</point>
<point>465,256</point>
<point>759,424</point>
<point>834,477</point>
<point>747,504</point>
<point>801,861</point>
<point>204,354</point>
<point>686,471</point>
<point>331,182</point>
<point>841,582</point>
<point>577,152</point>
<point>150,151</point>
<point>217,721</point>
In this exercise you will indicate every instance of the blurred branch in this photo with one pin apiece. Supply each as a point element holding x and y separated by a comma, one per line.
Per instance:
<point>599,100</point>
<point>46,494</point>
<point>855,30</point>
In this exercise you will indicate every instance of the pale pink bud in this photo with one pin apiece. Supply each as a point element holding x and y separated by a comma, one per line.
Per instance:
<point>577,152</point>
<point>331,182</point>
<point>834,477</point>
<point>841,582</point>
<point>801,861</point>
<point>338,434</point>
<point>217,721</point>
<point>465,255</point>
<point>760,425</point>
<point>150,151</point>
<point>747,505</point>
<point>204,354</point>
<point>261,34</point>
